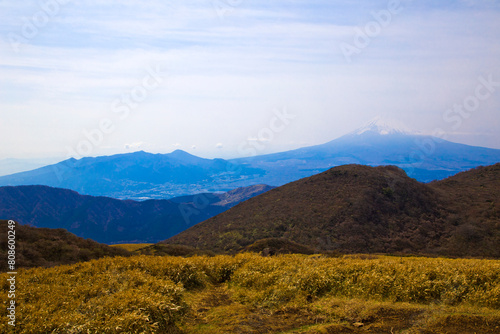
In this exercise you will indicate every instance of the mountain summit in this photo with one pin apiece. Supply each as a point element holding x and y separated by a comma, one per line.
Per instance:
<point>383,126</point>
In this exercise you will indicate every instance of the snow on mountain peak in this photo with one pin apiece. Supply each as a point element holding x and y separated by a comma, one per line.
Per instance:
<point>383,127</point>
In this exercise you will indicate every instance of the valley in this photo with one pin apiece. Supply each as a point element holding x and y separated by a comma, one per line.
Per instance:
<point>109,220</point>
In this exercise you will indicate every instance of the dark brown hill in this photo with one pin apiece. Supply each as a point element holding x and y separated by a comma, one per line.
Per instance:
<point>45,247</point>
<point>473,199</point>
<point>351,208</point>
<point>356,208</point>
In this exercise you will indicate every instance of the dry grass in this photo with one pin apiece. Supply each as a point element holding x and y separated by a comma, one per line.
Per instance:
<point>248,293</point>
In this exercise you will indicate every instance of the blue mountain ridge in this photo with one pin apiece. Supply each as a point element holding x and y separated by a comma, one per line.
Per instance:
<point>143,175</point>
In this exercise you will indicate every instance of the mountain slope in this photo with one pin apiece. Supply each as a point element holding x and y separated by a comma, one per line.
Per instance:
<point>474,201</point>
<point>109,220</point>
<point>353,208</point>
<point>227,199</point>
<point>43,247</point>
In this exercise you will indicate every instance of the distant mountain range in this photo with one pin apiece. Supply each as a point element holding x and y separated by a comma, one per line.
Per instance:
<point>361,209</point>
<point>142,175</point>
<point>138,175</point>
<point>109,220</point>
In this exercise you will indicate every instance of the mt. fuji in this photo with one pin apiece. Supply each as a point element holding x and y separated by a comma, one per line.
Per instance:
<point>384,126</point>
<point>378,142</point>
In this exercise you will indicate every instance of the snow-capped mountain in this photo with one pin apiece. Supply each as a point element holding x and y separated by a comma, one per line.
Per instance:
<point>378,142</point>
<point>384,126</point>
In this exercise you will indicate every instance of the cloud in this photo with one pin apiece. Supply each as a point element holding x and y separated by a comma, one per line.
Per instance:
<point>234,70</point>
<point>134,146</point>
<point>219,146</point>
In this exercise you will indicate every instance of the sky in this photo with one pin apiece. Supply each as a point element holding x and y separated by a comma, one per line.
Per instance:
<point>215,77</point>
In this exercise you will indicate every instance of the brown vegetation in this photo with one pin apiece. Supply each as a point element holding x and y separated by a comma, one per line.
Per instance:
<point>44,247</point>
<point>276,246</point>
<point>473,199</point>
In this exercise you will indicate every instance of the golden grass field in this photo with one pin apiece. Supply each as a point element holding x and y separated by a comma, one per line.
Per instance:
<point>248,293</point>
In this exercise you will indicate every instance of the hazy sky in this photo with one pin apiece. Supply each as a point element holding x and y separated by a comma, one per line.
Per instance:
<point>210,76</point>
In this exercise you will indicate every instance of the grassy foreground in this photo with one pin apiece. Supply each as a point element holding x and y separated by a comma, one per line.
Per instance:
<point>248,293</point>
